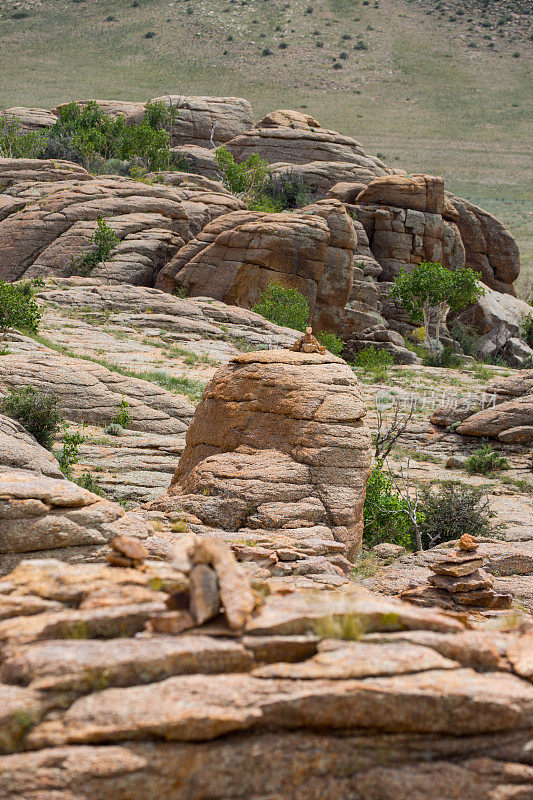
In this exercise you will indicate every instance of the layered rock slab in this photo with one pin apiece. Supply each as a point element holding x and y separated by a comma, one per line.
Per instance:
<point>239,255</point>
<point>278,427</point>
<point>123,716</point>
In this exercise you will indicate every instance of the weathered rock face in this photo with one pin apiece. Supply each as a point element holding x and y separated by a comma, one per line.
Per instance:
<point>239,255</point>
<point>278,441</point>
<point>318,177</point>
<point>490,249</point>
<point>48,225</point>
<point>207,121</point>
<point>507,415</point>
<point>30,119</point>
<point>498,319</point>
<point>403,218</point>
<point>89,392</point>
<point>43,514</point>
<point>120,716</point>
<point>299,145</point>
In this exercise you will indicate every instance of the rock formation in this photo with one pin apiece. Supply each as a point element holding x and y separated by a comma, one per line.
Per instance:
<point>95,706</point>
<point>458,580</point>
<point>506,415</point>
<point>43,514</point>
<point>278,444</point>
<point>239,255</point>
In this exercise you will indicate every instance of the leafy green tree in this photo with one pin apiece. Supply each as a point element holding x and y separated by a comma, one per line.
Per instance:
<point>18,309</point>
<point>15,142</point>
<point>430,291</point>
<point>285,307</point>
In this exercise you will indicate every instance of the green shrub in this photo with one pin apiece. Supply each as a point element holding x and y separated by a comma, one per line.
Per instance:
<point>467,337</point>
<point>371,359</point>
<point>122,416</point>
<point>386,513</point>
<point>88,136</point>
<point>430,291</point>
<point>447,357</point>
<point>36,411</point>
<point>103,240</point>
<point>285,307</point>
<point>18,309</point>
<point>330,341</point>
<point>526,328</point>
<point>15,142</point>
<point>69,455</point>
<point>451,510</point>
<point>86,481</point>
<point>246,179</point>
<point>485,460</point>
<point>114,429</point>
<point>286,191</point>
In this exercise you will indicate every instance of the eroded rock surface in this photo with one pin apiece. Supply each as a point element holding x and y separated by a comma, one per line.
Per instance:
<point>278,443</point>
<point>120,707</point>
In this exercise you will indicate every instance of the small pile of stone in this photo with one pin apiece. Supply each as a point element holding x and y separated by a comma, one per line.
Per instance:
<point>308,344</point>
<point>126,551</point>
<point>459,580</point>
<point>218,588</point>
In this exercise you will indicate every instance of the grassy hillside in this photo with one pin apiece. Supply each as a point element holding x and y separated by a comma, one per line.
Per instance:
<point>428,87</point>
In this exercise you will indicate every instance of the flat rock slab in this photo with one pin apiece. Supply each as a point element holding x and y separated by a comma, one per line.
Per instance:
<point>197,708</point>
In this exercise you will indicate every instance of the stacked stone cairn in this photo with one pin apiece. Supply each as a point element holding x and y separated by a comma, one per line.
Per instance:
<point>459,580</point>
<point>126,551</point>
<point>218,589</point>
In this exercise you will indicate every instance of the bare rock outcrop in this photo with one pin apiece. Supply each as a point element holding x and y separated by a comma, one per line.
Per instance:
<point>298,144</point>
<point>239,255</point>
<point>489,247</point>
<point>498,319</point>
<point>30,119</point>
<point>51,209</point>
<point>278,442</point>
<point>42,514</point>
<point>94,704</point>
<point>207,121</point>
<point>505,411</point>
<point>89,392</point>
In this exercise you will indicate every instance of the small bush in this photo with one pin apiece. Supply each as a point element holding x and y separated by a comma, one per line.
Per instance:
<point>485,460</point>
<point>447,358</point>
<point>526,328</point>
<point>246,179</point>
<point>114,429</point>
<point>104,240</point>
<point>360,45</point>
<point>69,454</point>
<point>332,342</point>
<point>15,142</point>
<point>18,309</point>
<point>122,416</point>
<point>86,481</point>
<point>36,411</point>
<point>336,65</point>
<point>373,360</point>
<point>386,513</point>
<point>266,51</point>
<point>285,307</point>
<point>467,337</point>
<point>286,191</point>
<point>451,510</point>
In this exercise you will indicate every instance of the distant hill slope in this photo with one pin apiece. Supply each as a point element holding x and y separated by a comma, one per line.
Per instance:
<point>430,87</point>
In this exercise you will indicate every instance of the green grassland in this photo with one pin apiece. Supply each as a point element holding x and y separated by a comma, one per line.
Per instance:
<point>432,92</point>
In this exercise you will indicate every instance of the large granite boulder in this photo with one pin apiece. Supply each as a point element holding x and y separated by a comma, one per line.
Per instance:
<point>298,145</point>
<point>30,119</point>
<point>498,319</point>
<point>207,121</point>
<point>333,694</point>
<point>239,255</point>
<point>490,248</point>
<point>278,441</point>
